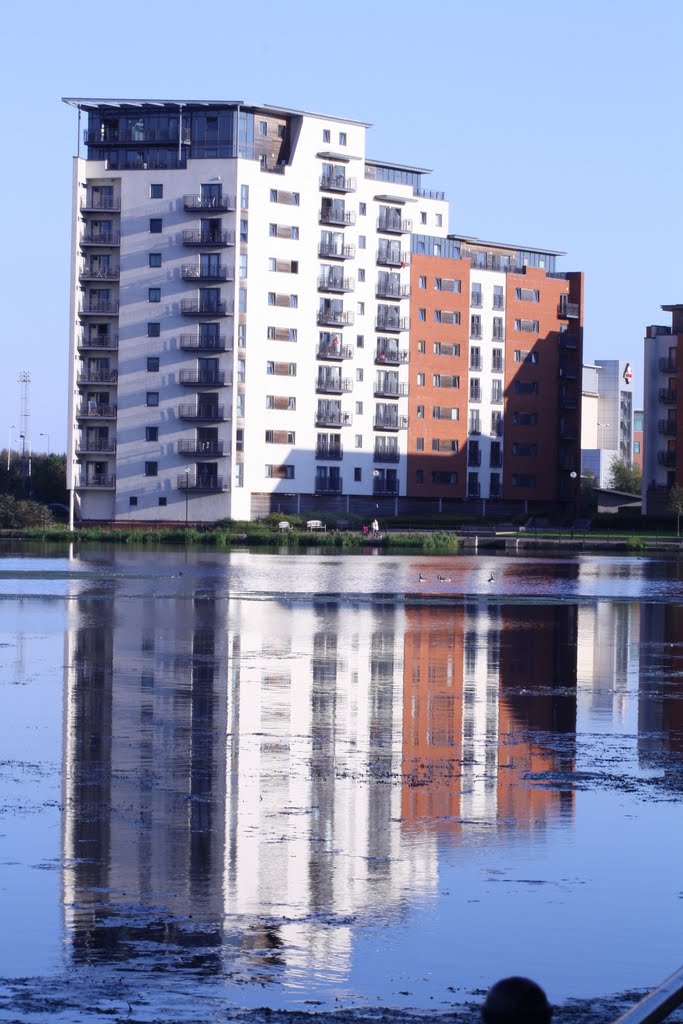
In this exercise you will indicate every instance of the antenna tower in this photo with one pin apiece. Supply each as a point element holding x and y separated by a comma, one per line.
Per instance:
<point>24,379</point>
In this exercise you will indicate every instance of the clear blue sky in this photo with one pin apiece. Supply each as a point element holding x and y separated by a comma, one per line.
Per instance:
<point>547,124</point>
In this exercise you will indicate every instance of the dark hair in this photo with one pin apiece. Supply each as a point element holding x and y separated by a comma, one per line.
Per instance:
<point>516,1001</point>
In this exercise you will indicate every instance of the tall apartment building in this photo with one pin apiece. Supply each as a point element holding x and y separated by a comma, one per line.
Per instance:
<point>607,420</point>
<point>264,318</point>
<point>663,420</point>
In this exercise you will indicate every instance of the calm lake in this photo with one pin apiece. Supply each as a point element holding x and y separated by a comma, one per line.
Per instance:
<point>320,782</point>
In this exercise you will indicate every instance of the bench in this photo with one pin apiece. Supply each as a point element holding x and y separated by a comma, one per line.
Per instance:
<point>315,525</point>
<point>284,525</point>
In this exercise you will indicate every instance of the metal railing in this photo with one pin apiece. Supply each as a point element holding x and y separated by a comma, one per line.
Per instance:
<point>187,482</point>
<point>211,239</point>
<point>332,351</point>
<point>98,377</point>
<point>336,252</point>
<point>657,1004</point>
<point>392,323</point>
<point>191,272</point>
<point>217,307</point>
<point>208,414</point>
<point>220,203</point>
<point>109,341</point>
<point>202,378</point>
<point>199,448</point>
<point>333,385</point>
<point>98,308</point>
<point>90,237</point>
<point>329,451</point>
<point>390,258</point>
<point>212,343</point>
<point>332,283</point>
<point>88,273</point>
<point>394,225</point>
<point>337,183</point>
<point>96,445</point>
<point>386,455</point>
<point>337,318</point>
<point>96,410</point>
<point>97,480</point>
<point>340,217</point>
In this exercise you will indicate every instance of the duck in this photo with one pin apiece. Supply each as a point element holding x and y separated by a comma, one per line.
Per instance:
<point>491,578</point>
<point>444,579</point>
<point>423,579</point>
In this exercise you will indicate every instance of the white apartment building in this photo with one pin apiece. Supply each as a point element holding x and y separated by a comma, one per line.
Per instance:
<point>237,273</point>
<point>606,417</point>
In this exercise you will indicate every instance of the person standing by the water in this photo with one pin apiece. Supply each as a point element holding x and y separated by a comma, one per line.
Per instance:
<point>516,1001</point>
<point>375,528</point>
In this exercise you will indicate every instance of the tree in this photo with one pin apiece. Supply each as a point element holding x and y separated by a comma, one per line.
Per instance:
<point>625,477</point>
<point>675,505</point>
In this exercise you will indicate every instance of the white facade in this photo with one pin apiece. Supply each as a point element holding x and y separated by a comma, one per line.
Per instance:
<point>606,417</point>
<point>226,321</point>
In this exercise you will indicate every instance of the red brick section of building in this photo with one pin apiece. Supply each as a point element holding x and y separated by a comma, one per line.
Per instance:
<point>542,413</point>
<point>439,353</point>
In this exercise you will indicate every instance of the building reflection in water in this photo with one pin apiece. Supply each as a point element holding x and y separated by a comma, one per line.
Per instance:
<point>660,693</point>
<point>489,704</point>
<point>244,780</point>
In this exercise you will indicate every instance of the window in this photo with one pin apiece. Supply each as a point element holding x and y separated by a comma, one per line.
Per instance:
<point>420,412</point>
<point>156,191</point>
<point>271,298</point>
<point>263,128</point>
<point>360,341</point>
<point>525,419</point>
<point>151,433</point>
<point>242,301</point>
<point>272,263</point>
<point>359,374</point>
<point>327,135</point>
<point>162,502</point>
<point>439,220</point>
<point>419,476</point>
<point>422,314</point>
<point>526,387</point>
<point>475,297</point>
<point>361,308</point>
<point>420,380</point>
<point>526,295</point>
<point>152,398</point>
<point>357,474</point>
<point>295,198</point>
<point>421,346</point>
<point>437,316</point>
<point>132,501</point>
<point>342,138</point>
<point>422,282</point>
<point>522,356</point>
<point>423,218</point>
<point>293,301</point>
<point>361,275</point>
<point>362,209</point>
<point>244,230</point>
<point>525,449</point>
<point>152,364</point>
<point>527,325</point>
<point>153,330</point>
<point>358,441</point>
<point>151,468</point>
<point>155,259</point>
<point>294,232</point>
<point>244,197</point>
<point>273,195</point>
<point>497,360</point>
<point>359,408</point>
<point>361,242</point>
<point>270,367</point>
<point>440,476</point>
<point>498,297</point>
<point>497,423</point>
<point>154,294</point>
<point>498,328</point>
<point>496,391</point>
<point>155,225</point>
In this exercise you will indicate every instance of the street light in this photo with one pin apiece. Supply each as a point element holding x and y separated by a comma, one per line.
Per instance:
<point>48,441</point>
<point>9,446</point>
<point>188,470</point>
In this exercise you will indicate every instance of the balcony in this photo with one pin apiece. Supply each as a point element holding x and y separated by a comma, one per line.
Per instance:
<point>95,445</point>
<point>568,402</point>
<point>108,342</point>
<point>392,290</point>
<point>473,490</point>
<point>569,341</point>
<point>386,455</point>
<point>190,307</point>
<point>390,423</point>
<point>332,418</point>
<point>334,350</point>
<point>115,136</point>
<point>334,318</point>
<point>209,239</point>
<point>336,252</point>
<point>476,300</point>
<point>97,377</point>
<point>337,183</point>
<point>392,323</point>
<point>332,283</point>
<point>193,273</point>
<point>203,343</point>
<point>323,485</point>
<point>668,396</point>
<point>333,385</point>
<point>496,461</point>
<point>392,258</point>
<point>201,449</point>
<point>215,204</point>
<point>476,332</point>
<point>328,451</point>
<point>97,481</point>
<point>95,273</point>
<point>94,203</point>
<point>475,394</point>
<point>394,225</point>
<point>668,427</point>
<point>390,389</point>
<point>667,459</point>
<point>96,411</point>
<point>201,413</point>
<point>387,354</point>
<point>93,236</point>
<point>474,458</point>
<point>568,310</point>
<point>568,372</point>
<point>199,482</point>
<point>385,486</point>
<point>342,218</point>
<point>202,378</point>
<point>92,307</point>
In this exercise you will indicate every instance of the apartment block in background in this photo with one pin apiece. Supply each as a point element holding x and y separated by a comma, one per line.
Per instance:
<point>266,319</point>
<point>607,428</point>
<point>663,433</point>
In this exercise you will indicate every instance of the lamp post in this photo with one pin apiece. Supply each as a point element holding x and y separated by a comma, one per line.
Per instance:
<point>48,441</point>
<point>9,446</point>
<point>187,492</point>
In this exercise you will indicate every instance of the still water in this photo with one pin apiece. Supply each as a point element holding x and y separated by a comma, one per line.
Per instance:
<point>317,782</point>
